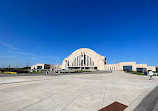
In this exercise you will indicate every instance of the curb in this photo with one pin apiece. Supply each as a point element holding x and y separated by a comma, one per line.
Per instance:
<point>139,99</point>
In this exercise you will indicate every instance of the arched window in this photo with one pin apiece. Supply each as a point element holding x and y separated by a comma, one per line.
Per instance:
<point>82,60</point>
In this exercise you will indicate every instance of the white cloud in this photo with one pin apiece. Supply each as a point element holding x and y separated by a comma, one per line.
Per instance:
<point>7,56</point>
<point>7,45</point>
<point>22,53</point>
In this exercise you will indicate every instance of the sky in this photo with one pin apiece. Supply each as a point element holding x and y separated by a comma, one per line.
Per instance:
<point>47,31</point>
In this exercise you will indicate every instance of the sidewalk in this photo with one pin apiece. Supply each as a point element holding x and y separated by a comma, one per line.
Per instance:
<point>81,92</point>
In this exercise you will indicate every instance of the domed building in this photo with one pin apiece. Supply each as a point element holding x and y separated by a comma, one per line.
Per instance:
<point>84,58</point>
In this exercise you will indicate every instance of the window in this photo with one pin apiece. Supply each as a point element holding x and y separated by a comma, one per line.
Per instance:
<point>127,68</point>
<point>84,59</point>
<point>39,67</point>
<point>75,62</point>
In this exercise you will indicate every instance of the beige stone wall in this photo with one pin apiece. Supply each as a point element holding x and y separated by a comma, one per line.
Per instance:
<point>112,67</point>
<point>63,66</point>
<point>133,64</point>
<point>35,66</point>
<point>55,67</point>
<point>153,68</point>
<point>120,65</point>
<point>141,65</point>
<point>51,66</point>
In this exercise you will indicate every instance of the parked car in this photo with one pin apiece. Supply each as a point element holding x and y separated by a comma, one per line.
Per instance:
<point>8,72</point>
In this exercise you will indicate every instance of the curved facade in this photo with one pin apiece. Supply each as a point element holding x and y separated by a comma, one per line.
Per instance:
<point>84,58</point>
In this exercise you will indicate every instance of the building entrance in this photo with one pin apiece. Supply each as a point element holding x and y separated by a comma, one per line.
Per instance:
<point>127,68</point>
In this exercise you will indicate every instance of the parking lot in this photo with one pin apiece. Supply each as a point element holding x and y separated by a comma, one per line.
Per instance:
<point>72,92</point>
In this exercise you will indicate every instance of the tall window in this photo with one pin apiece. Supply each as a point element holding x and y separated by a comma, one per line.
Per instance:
<point>87,60</point>
<point>90,61</point>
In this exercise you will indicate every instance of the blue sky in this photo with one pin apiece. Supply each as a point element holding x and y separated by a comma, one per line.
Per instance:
<point>47,31</point>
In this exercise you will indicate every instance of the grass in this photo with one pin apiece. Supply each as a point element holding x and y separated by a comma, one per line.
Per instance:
<point>36,72</point>
<point>134,72</point>
<point>137,73</point>
<point>83,71</point>
<point>155,75</point>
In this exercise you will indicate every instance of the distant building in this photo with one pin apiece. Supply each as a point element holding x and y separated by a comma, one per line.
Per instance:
<point>55,67</point>
<point>129,66</point>
<point>41,66</point>
<point>46,67</point>
<point>85,58</point>
<point>156,68</point>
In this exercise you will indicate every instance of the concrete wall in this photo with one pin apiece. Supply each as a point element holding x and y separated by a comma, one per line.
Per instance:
<point>47,66</point>
<point>120,65</point>
<point>133,64</point>
<point>36,66</point>
<point>112,67</point>
<point>55,67</point>
<point>141,65</point>
<point>153,68</point>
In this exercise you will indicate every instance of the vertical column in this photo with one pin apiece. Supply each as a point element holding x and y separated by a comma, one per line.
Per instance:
<point>93,64</point>
<point>80,60</point>
<point>77,61</point>
<point>83,59</point>
<point>87,60</point>
<point>90,61</point>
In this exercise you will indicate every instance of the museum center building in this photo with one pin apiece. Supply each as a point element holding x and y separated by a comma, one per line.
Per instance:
<point>87,59</point>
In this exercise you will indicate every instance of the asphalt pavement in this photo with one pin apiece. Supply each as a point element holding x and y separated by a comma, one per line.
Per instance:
<point>150,102</point>
<point>51,73</point>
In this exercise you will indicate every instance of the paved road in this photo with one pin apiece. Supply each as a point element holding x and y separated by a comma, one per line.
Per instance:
<point>23,74</point>
<point>150,102</point>
<point>78,92</point>
<point>51,74</point>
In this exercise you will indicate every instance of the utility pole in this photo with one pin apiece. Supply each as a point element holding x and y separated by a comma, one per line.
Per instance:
<point>8,66</point>
<point>27,65</point>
